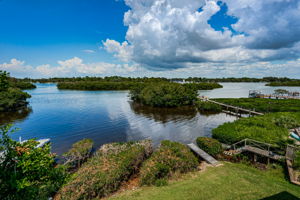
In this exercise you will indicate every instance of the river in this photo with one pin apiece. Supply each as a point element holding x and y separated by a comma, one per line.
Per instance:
<point>67,116</point>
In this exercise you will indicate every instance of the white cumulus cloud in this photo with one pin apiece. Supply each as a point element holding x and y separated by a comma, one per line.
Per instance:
<point>67,68</point>
<point>170,34</point>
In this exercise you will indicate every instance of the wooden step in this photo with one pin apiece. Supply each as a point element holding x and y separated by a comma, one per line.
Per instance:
<point>203,154</point>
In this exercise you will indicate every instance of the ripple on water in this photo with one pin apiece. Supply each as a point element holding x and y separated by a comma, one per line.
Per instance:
<point>107,116</point>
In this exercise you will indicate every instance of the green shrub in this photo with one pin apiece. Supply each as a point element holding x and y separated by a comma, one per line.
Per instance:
<point>27,172</point>
<point>4,80</point>
<point>164,95</point>
<point>79,152</point>
<point>169,158</point>
<point>13,99</point>
<point>286,122</point>
<point>209,145</point>
<point>205,106</point>
<point>22,85</point>
<point>106,170</point>
<point>260,128</point>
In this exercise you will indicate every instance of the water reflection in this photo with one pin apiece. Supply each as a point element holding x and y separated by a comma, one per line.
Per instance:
<point>164,115</point>
<point>15,117</point>
<point>67,116</point>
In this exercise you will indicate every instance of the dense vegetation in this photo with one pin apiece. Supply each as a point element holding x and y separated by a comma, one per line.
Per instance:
<point>169,158</point>
<point>106,170</point>
<point>164,95</point>
<point>230,181</point>
<point>153,79</point>
<point>11,99</point>
<point>243,79</point>
<point>285,83</point>
<point>79,152</point>
<point>264,105</point>
<point>269,128</point>
<point>205,106</point>
<point>96,85</point>
<point>126,84</point>
<point>97,79</point>
<point>203,86</point>
<point>21,84</point>
<point>209,145</point>
<point>27,172</point>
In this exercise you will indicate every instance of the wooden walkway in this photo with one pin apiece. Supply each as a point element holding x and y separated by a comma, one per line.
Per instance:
<point>203,154</point>
<point>259,148</point>
<point>236,109</point>
<point>261,152</point>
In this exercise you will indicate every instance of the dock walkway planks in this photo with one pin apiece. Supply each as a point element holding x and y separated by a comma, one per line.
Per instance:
<point>261,152</point>
<point>203,154</point>
<point>233,107</point>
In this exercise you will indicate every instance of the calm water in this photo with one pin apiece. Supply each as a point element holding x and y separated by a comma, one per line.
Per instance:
<point>238,90</point>
<point>108,116</point>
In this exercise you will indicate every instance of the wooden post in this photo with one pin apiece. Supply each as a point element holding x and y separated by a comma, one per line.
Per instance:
<point>255,158</point>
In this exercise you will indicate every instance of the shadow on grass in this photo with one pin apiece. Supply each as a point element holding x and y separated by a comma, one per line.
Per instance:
<point>282,196</point>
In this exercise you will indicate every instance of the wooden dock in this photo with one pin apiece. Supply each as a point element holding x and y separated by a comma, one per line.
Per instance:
<point>290,154</point>
<point>236,109</point>
<point>203,154</point>
<point>256,147</point>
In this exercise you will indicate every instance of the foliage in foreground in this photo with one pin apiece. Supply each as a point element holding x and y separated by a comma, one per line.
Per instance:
<point>106,170</point>
<point>264,105</point>
<point>227,182</point>
<point>261,128</point>
<point>171,157</point>
<point>78,154</point>
<point>205,106</point>
<point>164,95</point>
<point>27,172</point>
<point>209,145</point>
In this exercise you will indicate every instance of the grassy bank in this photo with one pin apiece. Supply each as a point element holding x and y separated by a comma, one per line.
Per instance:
<point>264,105</point>
<point>286,83</point>
<point>231,181</point>
<point>168,159</point>
<point>105,171</point>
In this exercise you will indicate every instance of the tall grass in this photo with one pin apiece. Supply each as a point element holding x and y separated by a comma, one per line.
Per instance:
<point>169,158</point>
<point>104,172</point>
<point>262,128</point>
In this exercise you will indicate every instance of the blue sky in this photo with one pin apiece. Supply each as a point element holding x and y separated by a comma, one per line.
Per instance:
<point>44,31</point>
<point>42,38</point>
